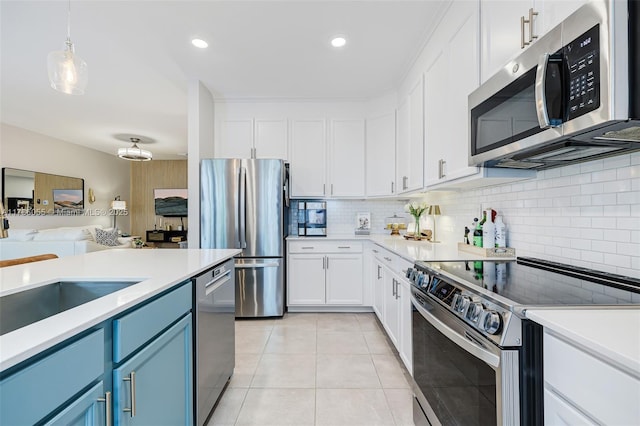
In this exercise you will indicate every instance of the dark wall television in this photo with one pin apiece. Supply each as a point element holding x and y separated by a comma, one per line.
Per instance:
<point>170,202</point>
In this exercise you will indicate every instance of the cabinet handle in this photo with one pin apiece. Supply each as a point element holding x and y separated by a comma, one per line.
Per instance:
<point>324,189</point>
<point>405,183</point>
<point>522,42</point>
<point>379,270</point>
<point>374,250</point>
<point>331,189</point>
<point>392,187</point>
<point>307,247</point>
<point>344,247</point>
<point>531,15</point>
<point>388,259</point>
<point>107,408</point>
<point>441,164</point>
<point>132,380</point>
<point>393,287</point>
<point>327,262</point>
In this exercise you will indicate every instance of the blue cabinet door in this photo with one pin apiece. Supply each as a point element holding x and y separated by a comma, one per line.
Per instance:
<point>88,409</point>
<point>155,386</point>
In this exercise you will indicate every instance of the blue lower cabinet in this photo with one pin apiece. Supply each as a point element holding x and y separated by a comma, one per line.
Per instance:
<point>155,387</point>
<point>88,409</point>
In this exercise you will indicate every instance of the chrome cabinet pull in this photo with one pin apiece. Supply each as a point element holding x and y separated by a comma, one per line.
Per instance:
<point>388,259</point>
<point>307,247</point>
<point>324,188</point>
<point>107,408</point>
<point>344,247</point>
<point>331,189</point>
<point>327,262</point>
<point>379,270</point>
<point>374,250</point>
<point>405,183</point>
<point>522,42</point>
<point>392,187</point>
<point>531,15</point>
<point>441,164</point>
<point>132,380</point>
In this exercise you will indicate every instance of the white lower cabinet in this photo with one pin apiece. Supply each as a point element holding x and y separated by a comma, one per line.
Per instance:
<point>583,389</point>
<point>392,300</point>
<point>324,273</point>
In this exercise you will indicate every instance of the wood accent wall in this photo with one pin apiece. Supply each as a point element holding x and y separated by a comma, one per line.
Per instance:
<point>145,177</point>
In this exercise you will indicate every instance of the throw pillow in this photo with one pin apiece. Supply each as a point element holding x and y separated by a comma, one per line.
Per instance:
<point>107,238</point>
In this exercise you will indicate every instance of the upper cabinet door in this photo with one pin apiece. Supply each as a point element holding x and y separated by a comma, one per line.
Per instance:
<point>308,158</point>
<point>502,32</point>
<point>381,155</point>
<point>437,121</point>
<point>551,13</point>
<point>346,160</point>
<point>235,139</point>
<point>271,139</point>
<point>416,137</point>
<point>403,149</point>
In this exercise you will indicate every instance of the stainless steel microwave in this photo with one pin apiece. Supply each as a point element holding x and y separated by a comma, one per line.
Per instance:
<point>573,96</point>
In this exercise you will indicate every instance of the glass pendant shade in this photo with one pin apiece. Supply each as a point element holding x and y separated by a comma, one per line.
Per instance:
<point>135,153</point>
<point>68,73</point>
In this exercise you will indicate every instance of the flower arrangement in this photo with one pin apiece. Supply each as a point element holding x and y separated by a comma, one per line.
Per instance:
<point>416,210</point>
<point>137,243</point>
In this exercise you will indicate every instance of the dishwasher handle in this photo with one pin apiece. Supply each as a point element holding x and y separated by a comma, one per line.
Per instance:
<point>216,283</point>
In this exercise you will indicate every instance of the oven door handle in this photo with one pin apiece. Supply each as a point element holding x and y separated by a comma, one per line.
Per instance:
<point>462,341</point>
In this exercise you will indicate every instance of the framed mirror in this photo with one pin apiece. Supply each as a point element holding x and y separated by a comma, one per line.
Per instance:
<point>35,193</point>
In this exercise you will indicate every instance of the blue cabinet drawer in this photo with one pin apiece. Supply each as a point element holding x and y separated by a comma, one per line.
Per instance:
<point>136,328</point>
<point>38,389</point>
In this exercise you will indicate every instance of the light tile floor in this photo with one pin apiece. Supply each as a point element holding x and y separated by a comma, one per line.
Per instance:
<point>315,369</point>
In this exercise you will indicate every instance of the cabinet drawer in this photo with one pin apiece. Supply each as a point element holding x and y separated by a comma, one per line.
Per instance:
<point>138,327</point>
<point>390,260</point>
<point>608,394</point>
<point>315,246</point>
<point>40,388</point>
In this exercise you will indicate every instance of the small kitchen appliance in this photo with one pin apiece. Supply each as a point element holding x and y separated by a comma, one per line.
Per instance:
<point>312,218</point>
<point>572,96</point>
<point>476,359</point>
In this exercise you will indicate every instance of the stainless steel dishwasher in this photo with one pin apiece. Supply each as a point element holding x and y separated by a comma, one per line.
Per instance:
<point>214,340</point>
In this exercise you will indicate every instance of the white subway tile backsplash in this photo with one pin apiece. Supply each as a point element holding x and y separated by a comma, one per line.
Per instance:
<point>622,210</point>
<point>584,200</point>
<point>592,256</point>
<point>619,236</point>
<point>616,162</point>
<point>604,176</point>
<point>591,211</point>
<point>617,260</point>
<point>628,172</point>
<point>600,199</point>
<point>604,246</point>
<point>628,249</point>
<point>617,186</point>
<point>592,188</point>
<point>592,166</point>
<point>628,223</point>
<point>629,197</point>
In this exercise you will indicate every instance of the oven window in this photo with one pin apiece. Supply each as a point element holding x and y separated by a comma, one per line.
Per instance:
<point>460,388</point>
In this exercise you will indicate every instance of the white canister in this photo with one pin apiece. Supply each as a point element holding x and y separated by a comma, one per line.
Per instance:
<point>501,232</point>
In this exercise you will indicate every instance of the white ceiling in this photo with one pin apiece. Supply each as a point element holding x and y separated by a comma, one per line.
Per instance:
<point>140,59</point>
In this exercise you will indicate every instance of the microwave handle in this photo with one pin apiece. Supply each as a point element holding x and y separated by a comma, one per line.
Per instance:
<point>541,98</point>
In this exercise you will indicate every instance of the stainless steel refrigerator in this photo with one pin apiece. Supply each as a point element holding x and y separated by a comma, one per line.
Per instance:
<point>242,205</point>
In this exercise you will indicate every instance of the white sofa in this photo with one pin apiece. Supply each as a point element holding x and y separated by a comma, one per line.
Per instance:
<point>68,241</point>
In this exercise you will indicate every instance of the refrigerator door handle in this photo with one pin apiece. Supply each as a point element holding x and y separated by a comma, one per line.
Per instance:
<point>269,264</point>
<point>243,208</point>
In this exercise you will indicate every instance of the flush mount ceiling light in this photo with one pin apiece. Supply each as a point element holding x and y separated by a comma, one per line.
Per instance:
<point>135,153</point>
<point>68,73</point>
<point>197,42</point>
<point>338,41</point>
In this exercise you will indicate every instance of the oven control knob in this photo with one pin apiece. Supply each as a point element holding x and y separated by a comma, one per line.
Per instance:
<point>461,304</point>
<point>409,273</point>
<point>474,312</point>
<point>492,322</point>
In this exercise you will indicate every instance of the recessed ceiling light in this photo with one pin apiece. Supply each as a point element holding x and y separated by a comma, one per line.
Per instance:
<point>199,43</point>
<point>338,41</point>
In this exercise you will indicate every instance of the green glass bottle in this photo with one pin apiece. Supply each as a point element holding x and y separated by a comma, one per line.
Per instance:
<point>477,234</point>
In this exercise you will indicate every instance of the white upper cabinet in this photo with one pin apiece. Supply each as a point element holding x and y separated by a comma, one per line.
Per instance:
<point>271,139</point>
<point>235,138</point>
<point>410,142</point>
<point>308,158</point>
<point>381,155</point>
<point>251,138</point>
<point>509,26</point>
<point>453,74</point>
<point>346,159</point>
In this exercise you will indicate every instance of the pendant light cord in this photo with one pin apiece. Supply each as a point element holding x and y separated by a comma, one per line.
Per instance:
<point>69,22</point>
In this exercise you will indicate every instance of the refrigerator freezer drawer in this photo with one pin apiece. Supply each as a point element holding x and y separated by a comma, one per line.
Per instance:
<point>259,287</point>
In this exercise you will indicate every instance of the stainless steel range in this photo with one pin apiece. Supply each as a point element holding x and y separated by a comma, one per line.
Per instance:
<point>476,359</point>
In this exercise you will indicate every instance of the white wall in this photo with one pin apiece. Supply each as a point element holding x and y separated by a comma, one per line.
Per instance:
<point>106,174</point>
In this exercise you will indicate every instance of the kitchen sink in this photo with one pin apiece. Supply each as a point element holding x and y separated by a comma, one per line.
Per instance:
<point>21,309</point>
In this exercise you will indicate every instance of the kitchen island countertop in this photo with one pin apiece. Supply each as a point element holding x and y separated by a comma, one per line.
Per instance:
<point>408,249</point>
<point>156,271</point>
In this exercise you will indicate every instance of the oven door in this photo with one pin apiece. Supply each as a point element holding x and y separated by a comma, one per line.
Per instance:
<point>460,378</point>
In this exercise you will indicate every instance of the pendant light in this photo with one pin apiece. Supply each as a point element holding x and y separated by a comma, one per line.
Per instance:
<point>68,73</point>
<point>135,153</point>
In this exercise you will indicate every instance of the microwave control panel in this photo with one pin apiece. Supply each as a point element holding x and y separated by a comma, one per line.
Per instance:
<point>583,66</point>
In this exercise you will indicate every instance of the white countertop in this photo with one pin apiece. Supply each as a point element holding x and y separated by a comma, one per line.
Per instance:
<point>613,334</point>
<point>157,270</point>
<point>410,250</point>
